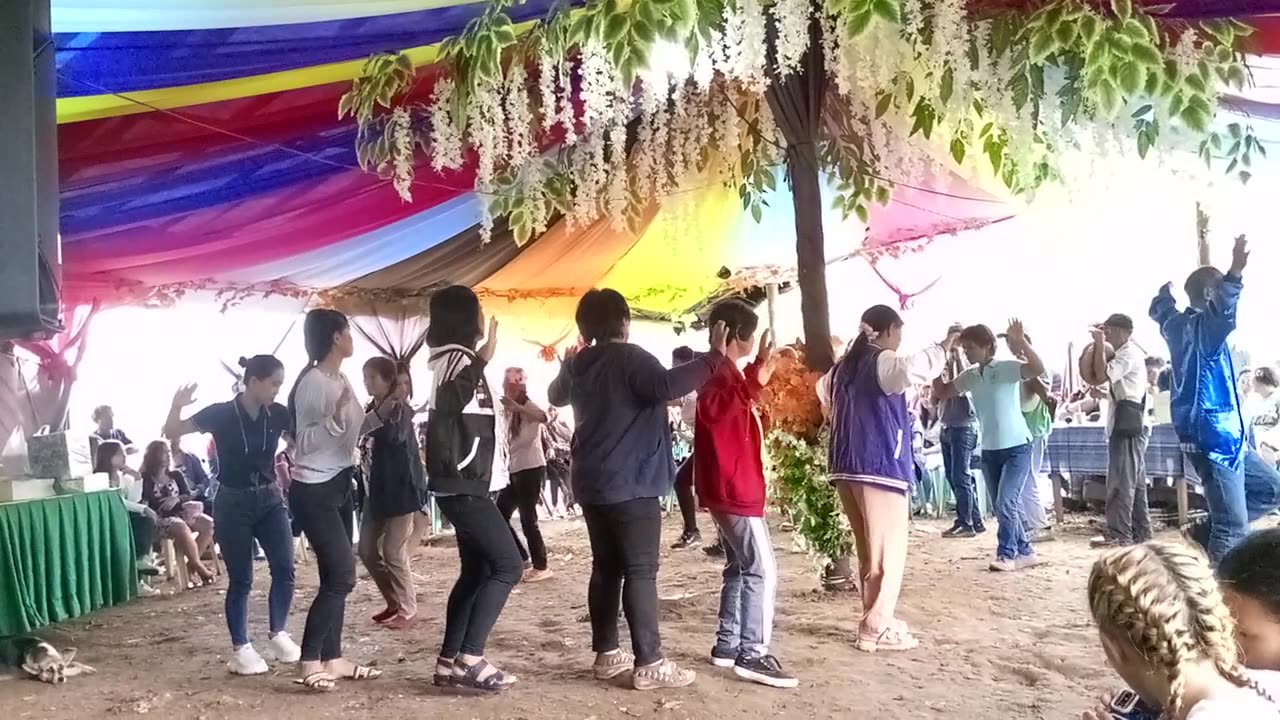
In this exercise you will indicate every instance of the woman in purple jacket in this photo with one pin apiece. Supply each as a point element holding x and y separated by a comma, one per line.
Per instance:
<point>872,465</point>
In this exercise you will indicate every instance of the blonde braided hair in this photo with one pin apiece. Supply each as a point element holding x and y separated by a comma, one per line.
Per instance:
<point>1164,600</point>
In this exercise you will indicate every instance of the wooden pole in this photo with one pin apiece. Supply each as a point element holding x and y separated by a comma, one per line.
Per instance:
<point>1202,237</point>
<point>771,291</point>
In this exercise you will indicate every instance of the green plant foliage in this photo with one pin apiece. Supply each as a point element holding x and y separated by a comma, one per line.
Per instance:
<point>797,471</point>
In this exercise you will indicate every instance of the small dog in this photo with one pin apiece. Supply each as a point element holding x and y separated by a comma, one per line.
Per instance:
<point>38,660</point>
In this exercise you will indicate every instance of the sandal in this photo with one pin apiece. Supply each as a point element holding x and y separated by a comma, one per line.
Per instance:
<point>470,678</point>
<point>361,672</point>
<point>889,639</point>
<point>318,681</point>
<point>445,679</point>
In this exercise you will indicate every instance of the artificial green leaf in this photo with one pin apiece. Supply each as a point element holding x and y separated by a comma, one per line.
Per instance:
<point>1141,111</point>
<point>643,32</point>
<point>1130,77</point>
<point>958,150</point>
<point>504,36</point>
<point>1176,103</point>
<point>1245,176</point>
<point>882,195</point>
<point>1108,98</point>
<point>861,211</point>
<point>1236,77</point>
<point>858,23</point>
<point>1065,35</point>
<point>986,130</point>
<point>1122,8</point>
<point>1042,46</point>
<point>1135,30</point>
<point>1146,54</point>
<point>1090,29</point>
<point>910,88</point>
<point>615,27</point>
<point>1196,83</point>
<point>1195,119</point>
<point>882,105</point>
<point>1020,88</point>
<point>1144,144</point>
<point>887,10</point>
<point>948,86</point>
<point>1232,166</point>
<point>756,212</point>
<point>1235,130</point>
<point>1152,88</point>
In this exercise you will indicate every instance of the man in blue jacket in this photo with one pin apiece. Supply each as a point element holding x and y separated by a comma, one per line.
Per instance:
<point>1205,404</point>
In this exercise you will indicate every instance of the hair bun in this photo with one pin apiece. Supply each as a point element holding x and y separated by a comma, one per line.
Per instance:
<point>243,362</point>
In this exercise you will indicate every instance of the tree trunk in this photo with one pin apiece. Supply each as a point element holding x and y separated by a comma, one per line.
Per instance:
<point>1202,237</point>
<point>811,257</point>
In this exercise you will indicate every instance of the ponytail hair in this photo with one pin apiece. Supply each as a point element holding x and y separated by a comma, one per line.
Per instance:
<point>877,321</point>
<point>318,330</point>
<point>260,367</point>
<point>602,315</point>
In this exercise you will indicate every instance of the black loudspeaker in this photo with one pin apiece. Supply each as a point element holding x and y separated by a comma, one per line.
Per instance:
<point>30,249</point>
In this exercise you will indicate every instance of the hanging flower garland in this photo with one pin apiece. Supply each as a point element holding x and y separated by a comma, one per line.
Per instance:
<point>1009,91</point>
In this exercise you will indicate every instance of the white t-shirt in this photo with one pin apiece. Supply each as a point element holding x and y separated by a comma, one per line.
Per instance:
<point>1242,703</point>
<point>326,446</point>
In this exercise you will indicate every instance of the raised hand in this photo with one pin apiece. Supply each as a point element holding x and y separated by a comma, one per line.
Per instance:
<point>1239,255</point>
<point>1016,334</point>
<point>186,395</point>
<point>1098,335</point>
<point>490,342</point>
<point>953,336</point>
<point>719,337</point>
<point>765,352</point>
<point>569,353</point>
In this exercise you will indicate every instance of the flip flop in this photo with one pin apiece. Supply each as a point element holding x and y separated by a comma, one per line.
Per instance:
<point>318,682</point>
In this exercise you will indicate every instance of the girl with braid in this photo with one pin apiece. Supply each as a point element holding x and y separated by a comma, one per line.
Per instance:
<point>1168,633</point>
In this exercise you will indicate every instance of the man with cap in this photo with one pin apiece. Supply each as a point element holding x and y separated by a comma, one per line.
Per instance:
<point>1128,430</point>
<point>1205,403</point>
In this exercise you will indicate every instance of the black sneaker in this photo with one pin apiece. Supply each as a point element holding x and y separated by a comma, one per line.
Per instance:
<point>765,670</point>
<point>688,539</point>
<point>956,530</point>
<point>979,529</point>
<point>723,657</point>
<point>716,550</point>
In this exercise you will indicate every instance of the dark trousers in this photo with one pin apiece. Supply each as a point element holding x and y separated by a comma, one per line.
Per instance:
<point>957,452</point>
<point>684,495</point>
<point>624,570</point>
<point>144,533</point>
<point>523,494</point>
<point>490,568</point>
<point>240,516</point>
<point>324,510</point>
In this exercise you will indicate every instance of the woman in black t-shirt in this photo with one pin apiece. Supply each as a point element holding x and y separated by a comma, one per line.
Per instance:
<point>249,504</point>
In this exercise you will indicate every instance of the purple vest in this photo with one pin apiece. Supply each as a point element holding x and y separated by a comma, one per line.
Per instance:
<point>870,431</point>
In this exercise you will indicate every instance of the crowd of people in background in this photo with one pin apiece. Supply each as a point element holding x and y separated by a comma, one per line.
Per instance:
<point>1180,636</point>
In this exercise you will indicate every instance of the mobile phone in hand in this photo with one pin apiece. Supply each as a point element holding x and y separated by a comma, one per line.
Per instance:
<point>1126,705</point>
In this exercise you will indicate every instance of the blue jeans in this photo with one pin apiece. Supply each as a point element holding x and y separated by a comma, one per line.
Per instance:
<point>1236,498</point>
<point>957,452</point>
<point>241,515</point>
<point>1007,471</point>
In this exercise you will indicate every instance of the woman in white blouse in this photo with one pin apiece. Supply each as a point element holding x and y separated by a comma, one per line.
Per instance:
<point>327,419</point>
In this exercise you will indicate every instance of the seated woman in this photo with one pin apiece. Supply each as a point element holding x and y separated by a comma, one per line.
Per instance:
<point>1167,632</point>
<point>1250,578</point>
<point>182,519</point>
<point>110,459</point>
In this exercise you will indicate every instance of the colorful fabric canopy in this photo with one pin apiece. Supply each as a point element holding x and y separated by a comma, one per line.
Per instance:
<point>199,147</point>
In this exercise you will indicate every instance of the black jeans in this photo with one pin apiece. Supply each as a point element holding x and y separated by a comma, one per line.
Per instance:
<point>324,512</point>
<point>684,495</point>
<point>624,570</point>
<point>523,494</point>
<point>490,568</point>
<point>144,533</point>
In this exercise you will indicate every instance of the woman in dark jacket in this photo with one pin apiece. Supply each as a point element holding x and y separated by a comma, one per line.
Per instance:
<point>181,518</point>
<point>395,487</point>
<point>621,466</point>
<point>461,449</point>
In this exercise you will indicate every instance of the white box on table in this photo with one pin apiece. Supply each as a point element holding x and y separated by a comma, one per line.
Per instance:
<point>26,489</point>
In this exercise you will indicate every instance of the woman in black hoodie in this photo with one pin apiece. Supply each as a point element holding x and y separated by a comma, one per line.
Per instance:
<point>461,436</point>
<point>621,467</point>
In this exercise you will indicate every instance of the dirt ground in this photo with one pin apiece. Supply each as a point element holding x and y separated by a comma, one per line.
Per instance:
<point>1015,646</point>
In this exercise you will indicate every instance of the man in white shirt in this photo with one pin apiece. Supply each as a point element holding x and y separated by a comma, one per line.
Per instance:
<point>1128,430</point>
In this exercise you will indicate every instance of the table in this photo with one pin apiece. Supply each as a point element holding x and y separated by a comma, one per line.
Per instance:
<point>1082,450</point>
<point>63,557</point>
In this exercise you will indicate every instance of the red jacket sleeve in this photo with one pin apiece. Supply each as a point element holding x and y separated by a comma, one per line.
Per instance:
<point>721,396</point>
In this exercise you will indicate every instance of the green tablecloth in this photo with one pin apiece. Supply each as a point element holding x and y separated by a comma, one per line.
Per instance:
<point>62,557</point>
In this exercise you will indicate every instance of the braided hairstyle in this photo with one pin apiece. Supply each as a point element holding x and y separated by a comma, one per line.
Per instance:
<point>1163,600</point>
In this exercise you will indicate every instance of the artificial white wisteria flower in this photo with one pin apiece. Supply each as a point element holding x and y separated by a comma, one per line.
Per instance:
<point>402,153</point>
<point>446,138</point>
<point>519,117</point>
<point>533,187</point>
<point>745,44</point>
<point>791,18</point>
<point>599,84</point>
<point>548,67</point>
<point>566,116</point>
<point>487,134</point>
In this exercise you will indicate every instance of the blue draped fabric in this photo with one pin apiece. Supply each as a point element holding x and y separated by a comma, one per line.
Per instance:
<point>355,257</point>
<point>229,175</point>
<point>129,61</point>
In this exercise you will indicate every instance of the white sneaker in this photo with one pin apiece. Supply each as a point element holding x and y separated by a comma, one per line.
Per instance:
<point>283,649</point>
<point>246,661</point>
<point>146,591</point>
